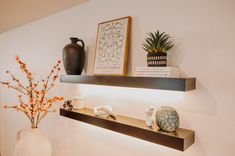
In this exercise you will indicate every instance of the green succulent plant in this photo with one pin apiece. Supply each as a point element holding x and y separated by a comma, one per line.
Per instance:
<point>157,43</point>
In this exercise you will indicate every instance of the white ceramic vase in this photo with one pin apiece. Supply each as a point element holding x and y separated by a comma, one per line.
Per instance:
<point>31,142</point>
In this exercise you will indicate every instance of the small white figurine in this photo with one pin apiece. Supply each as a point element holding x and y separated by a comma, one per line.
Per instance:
<point>149,112</point>
<point>104,110</point>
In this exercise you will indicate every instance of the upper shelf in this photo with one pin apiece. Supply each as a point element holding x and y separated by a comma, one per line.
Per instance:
<point>175,84</point>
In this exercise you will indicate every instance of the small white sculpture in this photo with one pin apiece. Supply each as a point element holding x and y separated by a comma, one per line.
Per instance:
<point>104,110</point>
<point>149,112</point>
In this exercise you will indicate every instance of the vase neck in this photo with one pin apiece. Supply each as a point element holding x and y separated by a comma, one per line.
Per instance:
<point>74,39</point>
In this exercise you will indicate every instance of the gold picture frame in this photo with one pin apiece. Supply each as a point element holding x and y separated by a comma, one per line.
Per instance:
<point>112,47</point>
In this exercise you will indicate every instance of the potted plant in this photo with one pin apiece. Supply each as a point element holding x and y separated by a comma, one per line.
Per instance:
<point>35,103</point>
<point>157,45</point>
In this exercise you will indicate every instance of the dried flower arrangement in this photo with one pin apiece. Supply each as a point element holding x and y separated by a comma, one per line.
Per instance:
<point>33,100</point>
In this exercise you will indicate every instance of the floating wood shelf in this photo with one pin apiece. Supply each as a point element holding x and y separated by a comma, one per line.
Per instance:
<point>176,84</point>
<point>180,140</point>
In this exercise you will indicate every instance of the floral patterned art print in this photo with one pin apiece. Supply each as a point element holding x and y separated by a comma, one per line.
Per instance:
<point>112,47</point>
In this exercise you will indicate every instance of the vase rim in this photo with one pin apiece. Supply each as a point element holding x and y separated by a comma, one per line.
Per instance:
<point>31,129</point>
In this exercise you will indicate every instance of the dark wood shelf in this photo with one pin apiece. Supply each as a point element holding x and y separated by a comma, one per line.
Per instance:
<point>180,140</point>
<point>175,84</point>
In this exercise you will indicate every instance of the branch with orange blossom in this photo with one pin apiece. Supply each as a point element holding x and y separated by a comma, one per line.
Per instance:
<point>35,104</point>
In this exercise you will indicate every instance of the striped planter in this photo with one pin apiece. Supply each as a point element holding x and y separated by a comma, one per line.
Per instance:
<point>157,59</point>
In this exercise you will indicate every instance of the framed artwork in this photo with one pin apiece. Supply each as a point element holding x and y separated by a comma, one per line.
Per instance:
<point>112,45</point>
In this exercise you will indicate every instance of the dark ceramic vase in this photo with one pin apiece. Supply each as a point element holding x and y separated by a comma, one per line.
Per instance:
<point>157,59</point>
<point>74,57</point>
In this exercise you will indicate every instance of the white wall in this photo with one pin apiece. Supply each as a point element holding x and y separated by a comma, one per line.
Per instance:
<point>204,34</point>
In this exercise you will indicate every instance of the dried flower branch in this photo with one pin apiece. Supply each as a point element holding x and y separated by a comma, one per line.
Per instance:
<point>38,104</point>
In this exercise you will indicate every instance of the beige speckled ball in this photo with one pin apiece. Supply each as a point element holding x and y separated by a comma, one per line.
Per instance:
<point>167,119</point>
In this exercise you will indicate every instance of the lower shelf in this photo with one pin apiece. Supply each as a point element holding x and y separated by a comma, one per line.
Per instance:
<point>180,140</point>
